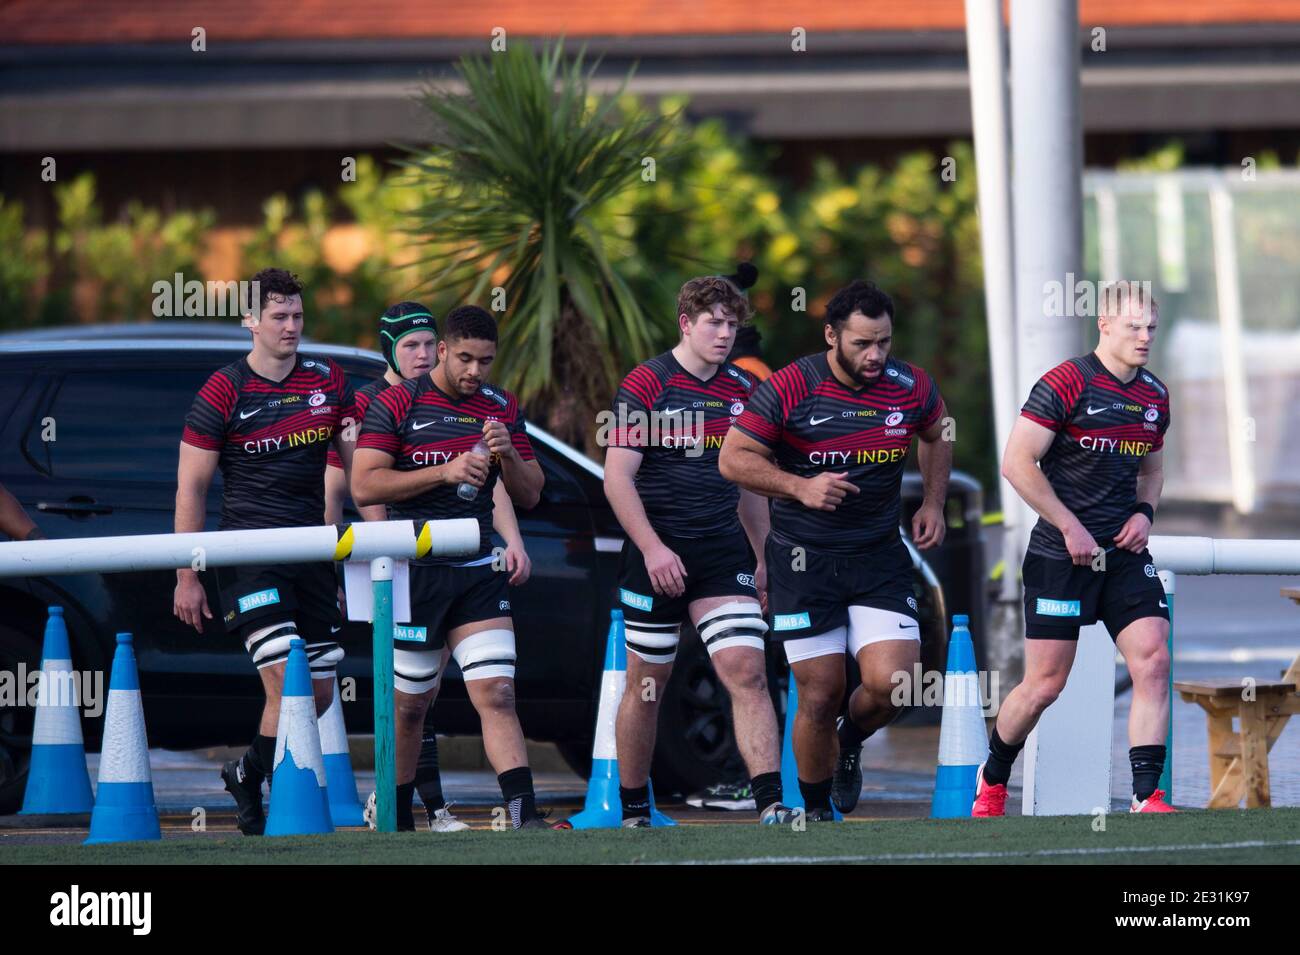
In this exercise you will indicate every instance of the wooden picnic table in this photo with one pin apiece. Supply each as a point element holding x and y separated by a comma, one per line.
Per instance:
<point>1239,757</point>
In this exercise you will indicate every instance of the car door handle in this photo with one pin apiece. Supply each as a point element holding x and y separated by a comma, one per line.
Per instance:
<point>73,507</point>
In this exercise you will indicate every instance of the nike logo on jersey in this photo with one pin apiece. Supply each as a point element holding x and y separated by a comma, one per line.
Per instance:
<point>668,411</point>
<point>421,427</point>
<point>815,420</point>
<point>248,414</point>
<point>1163,605</point>
<point>1092,410</point>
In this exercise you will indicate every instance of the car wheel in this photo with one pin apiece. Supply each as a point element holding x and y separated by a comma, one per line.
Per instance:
<point>16,719</point>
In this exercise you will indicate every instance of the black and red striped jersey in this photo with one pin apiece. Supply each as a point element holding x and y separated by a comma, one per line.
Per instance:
<point>272,437</point>
<point>421,426</point>
<point>813,423</point>
<point>364,394</point>
<point>1103,430</point>
<point>678,422</point>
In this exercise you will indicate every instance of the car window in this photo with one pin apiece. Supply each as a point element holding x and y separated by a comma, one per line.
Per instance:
<point>122,425</point>
<point>560,486</point>
<point>20,397</point>
<point>15,384</point>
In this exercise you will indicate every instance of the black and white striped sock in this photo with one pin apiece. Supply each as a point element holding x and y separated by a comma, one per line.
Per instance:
<point>517,790</point>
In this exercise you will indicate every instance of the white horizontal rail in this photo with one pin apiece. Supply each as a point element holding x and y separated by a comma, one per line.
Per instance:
<point>1195,179</point>
<point>280,545</point>
<point>1208,555</point>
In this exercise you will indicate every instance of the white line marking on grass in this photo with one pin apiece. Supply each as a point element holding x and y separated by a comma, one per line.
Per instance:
<point>1030,853</point>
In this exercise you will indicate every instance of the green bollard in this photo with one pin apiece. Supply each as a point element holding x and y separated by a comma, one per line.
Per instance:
<point>381,580</point>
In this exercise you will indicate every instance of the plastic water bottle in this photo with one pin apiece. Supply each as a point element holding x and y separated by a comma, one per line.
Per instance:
<point>466,491</point>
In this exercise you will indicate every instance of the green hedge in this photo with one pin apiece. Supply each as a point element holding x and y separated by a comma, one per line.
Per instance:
<point>905,227</point>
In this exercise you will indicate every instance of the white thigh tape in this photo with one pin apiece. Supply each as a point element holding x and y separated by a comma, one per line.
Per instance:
<point>322,658</point>
<point>487,654</point>
<point>652,642</point>
<point>736,624</point>
<point>270,645</point>
<point>415,671</point>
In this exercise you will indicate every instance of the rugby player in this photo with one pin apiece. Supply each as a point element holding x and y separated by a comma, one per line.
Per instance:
<point>1085,454</point>
<point>266,421</point>
<point>686,554</point>
<point>415,451</point>
<point>825,438</point>
<point>408,337</point>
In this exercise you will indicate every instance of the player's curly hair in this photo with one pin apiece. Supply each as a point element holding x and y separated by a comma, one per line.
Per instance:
<point>280,282</point>
<point>701,294</point>
<point>469,321</point>
<point>858,296</point>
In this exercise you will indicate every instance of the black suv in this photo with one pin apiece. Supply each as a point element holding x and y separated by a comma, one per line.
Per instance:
<point>88,445</point>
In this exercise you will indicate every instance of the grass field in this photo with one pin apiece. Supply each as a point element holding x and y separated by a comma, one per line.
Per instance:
<point>1258,836</point>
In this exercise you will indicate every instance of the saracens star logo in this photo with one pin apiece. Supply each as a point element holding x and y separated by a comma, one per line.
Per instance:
<point>894,419</point>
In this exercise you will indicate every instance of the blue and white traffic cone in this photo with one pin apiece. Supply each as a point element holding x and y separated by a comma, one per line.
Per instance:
<point>603,808</point>
<point>790,794</point>
<point>963,740</point>
<point>124,805</point>
<point>345,808</point>
<point>57,779</point>
<point>299,798</point>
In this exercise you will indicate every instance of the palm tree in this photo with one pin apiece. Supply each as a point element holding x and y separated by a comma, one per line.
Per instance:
<point>524,156</point>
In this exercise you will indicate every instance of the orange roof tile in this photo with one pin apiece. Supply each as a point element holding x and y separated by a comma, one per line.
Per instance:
<point>109,21</point>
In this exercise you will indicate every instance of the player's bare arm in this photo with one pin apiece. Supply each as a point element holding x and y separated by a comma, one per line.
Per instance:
<point>193,478</point>
<point>506,523</point>
<point>756,521</point>
<point>934,457</point>
<point>337,481</point>
<point>1150,481</point>
<point>376,480</point>
<point>523,479</point>
<point>749,463</point>
<point>345,443</point>
<point>336,492</point>
<point>1028,443</point>
<point>14,522</point>
<point>665,568</point>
